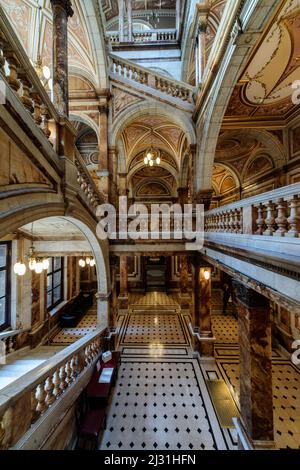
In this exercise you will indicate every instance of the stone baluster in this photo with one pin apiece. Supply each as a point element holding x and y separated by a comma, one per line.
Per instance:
<point>281,219</point>
<point>227,221</point>
<point>260,221</point>
<point>41,399</point>
<point>270,219</point>
<point>26,98</point>
<point>10,345</point>
<point>68,373</point>
<point>73,365</point>
<point>37,107</point>
<point>45,121</point>
<point>33,406</point>
<point>12,61</point>
<point>56,382</point>
<point>63,377</point>
<point>237,221</point>
<point>2,58</point>
<point>231,221</point>
<point>241,230</point>
<point>49,388</point>
<point>294,218</point>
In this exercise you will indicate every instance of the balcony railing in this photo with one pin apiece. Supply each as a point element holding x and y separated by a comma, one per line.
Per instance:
<point>8,341</point>
<point>121,68</point>
<point>142,37</point>
<point>87,185</point>
<point>31,397</point>
<point>17,72</point>
<point>274,213</point>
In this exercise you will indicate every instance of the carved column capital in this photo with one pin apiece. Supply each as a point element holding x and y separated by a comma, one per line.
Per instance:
<point>204,197</point>
<point>249,297</point>
<point>65,5</point>
<point>203,12</point>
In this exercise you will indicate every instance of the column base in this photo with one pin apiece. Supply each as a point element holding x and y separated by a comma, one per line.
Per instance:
<point>123,302</point>
<point>245,442</point>
<point>204,343</point>
<point>185,301</point>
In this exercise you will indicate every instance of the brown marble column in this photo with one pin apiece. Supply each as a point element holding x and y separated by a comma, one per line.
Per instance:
<point>62,10</point>
<point>121,4</point>
<point>103,170</point>
<point>112,168</point>
<point>183,195</point>
<point>114,297</point>
<point>256,397</point>
<point>123,296</point>
<point>202,308</point>
<point>204,197</point>
<point>184,282</point>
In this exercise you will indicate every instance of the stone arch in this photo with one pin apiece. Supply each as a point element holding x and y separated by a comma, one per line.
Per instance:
<point>26,214</point>
<point>178,117</point>
<point>85,119</point>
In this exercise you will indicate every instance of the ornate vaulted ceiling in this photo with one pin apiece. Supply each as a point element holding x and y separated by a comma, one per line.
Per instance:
<point>265,88</point>
<point>156,131</point>
<point>24,16</point>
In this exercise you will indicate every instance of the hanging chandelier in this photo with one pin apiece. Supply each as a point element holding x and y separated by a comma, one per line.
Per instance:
<point>43,72</point>
<point>152,156</point>
<point>87,261</point>
<point>35,263</point>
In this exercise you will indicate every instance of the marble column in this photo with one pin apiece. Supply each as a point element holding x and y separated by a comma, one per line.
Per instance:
<point>62,10</point>
<point>114,297</point>
<point>183,195</point>
<point>103,309</point>
<point>177,26</point>
<point>121,4</point>
<point>103,170</point>
<point>112,168</point>
<point>204,197</point>
<point>184,282</point>
<point>200,50</point>
<point>129,20</point>
<point>255,340</point>
<point>202,308</point>
<point>123,296</point>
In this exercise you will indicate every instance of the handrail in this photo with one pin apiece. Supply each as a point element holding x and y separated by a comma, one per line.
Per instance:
<point>275,212</point>
<point>35,392</point>
<point>9,334</point>
<point>87,183</point>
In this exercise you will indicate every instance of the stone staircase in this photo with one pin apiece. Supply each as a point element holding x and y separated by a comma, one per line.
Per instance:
<point>23,362</point>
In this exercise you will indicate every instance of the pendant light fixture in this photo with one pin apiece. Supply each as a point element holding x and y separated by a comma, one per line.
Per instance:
<point>35,263</point>
<point>152,154</point>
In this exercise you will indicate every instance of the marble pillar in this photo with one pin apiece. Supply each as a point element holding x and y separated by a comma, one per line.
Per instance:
<point>103,170</point>
<point>114,298</point>
<point>203,11</point>
<point>112,169</point>
<point>184,282</point>
<point>255,340</point>
<point>62,10</point>
<point>129,20</point>
<point>203,197</point>
<point>183,195</point>
<point>202,308</point>
<point>123,296</point>
<point>103,309</point>
<point>177,26</point>
<point>121,4</point>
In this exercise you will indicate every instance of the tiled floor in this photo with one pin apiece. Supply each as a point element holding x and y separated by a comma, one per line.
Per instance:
<point>159,328</point>
<point>69,335</point>
<point>161,405</point>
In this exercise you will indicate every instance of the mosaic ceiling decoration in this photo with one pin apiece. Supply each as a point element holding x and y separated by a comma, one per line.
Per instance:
<point>265,88</point>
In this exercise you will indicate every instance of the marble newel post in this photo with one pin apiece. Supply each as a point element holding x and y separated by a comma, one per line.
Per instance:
<point>202,308</point>
<point>256,397</point>
<point>123,296</point>
<point>62,10</point>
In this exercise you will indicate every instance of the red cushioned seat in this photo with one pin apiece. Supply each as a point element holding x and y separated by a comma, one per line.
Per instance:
<point>93,422</point>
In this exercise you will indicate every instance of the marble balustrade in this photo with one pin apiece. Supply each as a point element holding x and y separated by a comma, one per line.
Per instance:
<point>87,185</point>
<point>274,213</point>
<point>30,397</point>
<point>146,36</point>
<point>161,83</point>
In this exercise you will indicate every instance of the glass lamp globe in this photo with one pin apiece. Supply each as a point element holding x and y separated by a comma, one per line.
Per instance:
<point>45,264</point>
<point>32,264</point>
<point>39,267</point>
